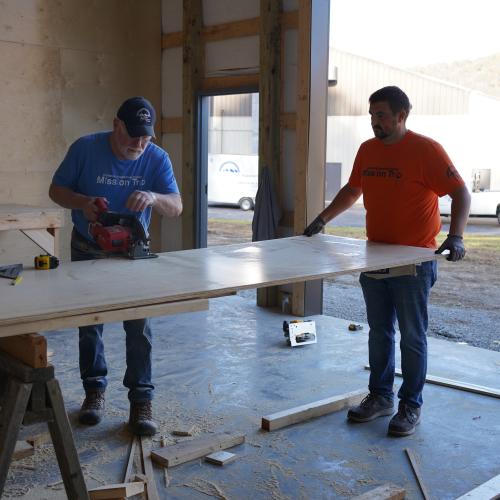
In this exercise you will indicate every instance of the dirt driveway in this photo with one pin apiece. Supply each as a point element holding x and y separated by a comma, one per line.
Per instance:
<point>464,304</point>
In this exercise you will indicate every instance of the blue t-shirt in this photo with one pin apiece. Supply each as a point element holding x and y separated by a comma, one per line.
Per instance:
<point>91,168</point>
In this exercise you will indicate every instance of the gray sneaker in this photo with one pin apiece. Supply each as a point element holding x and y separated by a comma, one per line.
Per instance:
<point>372,407</point>
<point>405,420</point>
<point>92,409</point>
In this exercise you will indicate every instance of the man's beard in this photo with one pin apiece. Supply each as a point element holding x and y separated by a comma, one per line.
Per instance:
<point>379,133</point>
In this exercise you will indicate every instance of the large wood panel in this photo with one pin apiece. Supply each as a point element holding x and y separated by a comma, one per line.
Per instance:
<point>80,288</point>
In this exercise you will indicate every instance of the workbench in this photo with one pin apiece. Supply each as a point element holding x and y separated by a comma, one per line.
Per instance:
<point>100,291</point>
<point>41,225</point>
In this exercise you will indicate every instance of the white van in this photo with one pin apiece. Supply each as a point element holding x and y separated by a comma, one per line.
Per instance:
<point>233,180</point>
<point>483,204</point>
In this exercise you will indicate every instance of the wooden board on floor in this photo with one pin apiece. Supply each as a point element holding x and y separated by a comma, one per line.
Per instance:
<point>196,448</point>
<point>114,491</point>
<point>70,291</point>
<point>311,410</point>
<point>456,384</point>
<point>387,491</point>
<point>489,490</point>
<point>23,449</point>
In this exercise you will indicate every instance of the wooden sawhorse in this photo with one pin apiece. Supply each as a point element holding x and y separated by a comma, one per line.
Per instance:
<point>31,395</point>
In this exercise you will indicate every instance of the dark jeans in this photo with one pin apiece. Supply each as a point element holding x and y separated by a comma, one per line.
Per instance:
<point>403,298</point>
<point>93,369</point>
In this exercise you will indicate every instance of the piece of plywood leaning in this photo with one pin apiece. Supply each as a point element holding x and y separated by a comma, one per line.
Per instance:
<point>196,448</point>
<point>386,491</point>
<point>490,490</point>
<point>311,410</point>
<point>455,384</point>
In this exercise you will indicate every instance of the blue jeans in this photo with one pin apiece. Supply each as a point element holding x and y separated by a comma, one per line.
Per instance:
<point>403,298</point>
<point>93,368</point>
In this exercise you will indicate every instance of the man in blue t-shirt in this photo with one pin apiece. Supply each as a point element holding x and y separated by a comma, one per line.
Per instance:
<point>132,175</point>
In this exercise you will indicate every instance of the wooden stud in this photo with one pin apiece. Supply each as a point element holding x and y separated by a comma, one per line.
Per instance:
<point>114,491</point>
<point>196,448</point>
<point>315,409</point>
<point>130,462</point>
<point>288,120</point>
<point>171,125</point>
<point>30,348</point>
<point>171,40</point>
<point>221,458</point>
<point>387,491</point>
<point>270,109</point>
<point>192,73</point>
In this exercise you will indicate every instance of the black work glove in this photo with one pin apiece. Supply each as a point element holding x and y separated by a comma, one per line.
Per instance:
<point>455,245</point>
<point>314,227</point>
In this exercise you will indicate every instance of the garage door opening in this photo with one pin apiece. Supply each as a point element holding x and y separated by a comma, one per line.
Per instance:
<point>231,134</point>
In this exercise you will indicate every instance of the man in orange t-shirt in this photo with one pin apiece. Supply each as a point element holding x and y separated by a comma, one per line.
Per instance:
<point>400,174</point>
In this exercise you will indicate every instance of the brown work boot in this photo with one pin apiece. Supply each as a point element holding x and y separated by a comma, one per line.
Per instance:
<point>141,421</point>
<point>92,409</point>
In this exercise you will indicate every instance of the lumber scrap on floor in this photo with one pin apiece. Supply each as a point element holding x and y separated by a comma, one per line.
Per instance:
<point>147,465</point>
<point>196,448</point>
<point>455,384</point>
<point>114,491</point>
<point>416,470</point>
<point>489,490</point>
<point>386,491</point>
<point>130,462</point>
<point>221,458</point>
<point>23,449</point>
<point>315,409</point>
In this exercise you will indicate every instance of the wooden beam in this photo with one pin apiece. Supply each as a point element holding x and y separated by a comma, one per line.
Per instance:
<point>232,82</point>
<point>315,409</point>
<point>149,311</point>
<point>235,29</point>
<point>455,384</point>
<point>490,490</point>
<point>302,138</point>
<point>171,125</point>
<point>171,40</point>
<point>387,491</point>
<point>190,450</point>
<point>147,464</point>
<point>31,349</point>
<point>288,120</point>
<point>192,73</point>
<point>130,462</point>
<point>270,110</point>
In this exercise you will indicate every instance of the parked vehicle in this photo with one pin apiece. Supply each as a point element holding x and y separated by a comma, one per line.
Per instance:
<point>233,180</point>
<point>483,204</point>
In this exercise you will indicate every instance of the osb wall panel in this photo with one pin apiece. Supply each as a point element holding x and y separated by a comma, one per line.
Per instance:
<point>65,66</point>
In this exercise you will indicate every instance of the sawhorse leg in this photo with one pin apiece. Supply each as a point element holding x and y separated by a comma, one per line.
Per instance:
<point>33,395</point>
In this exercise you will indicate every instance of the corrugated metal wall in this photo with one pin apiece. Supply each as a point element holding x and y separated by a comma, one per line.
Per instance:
<point>358,78</point>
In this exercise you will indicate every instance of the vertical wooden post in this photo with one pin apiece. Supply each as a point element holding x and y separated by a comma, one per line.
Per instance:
<point>270,108</point>
<point>192,73</point>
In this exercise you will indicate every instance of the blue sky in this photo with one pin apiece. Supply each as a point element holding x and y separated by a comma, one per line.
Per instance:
<point>413,33</point>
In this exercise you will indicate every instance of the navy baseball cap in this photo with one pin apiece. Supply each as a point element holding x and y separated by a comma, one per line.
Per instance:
<point>139,116</point>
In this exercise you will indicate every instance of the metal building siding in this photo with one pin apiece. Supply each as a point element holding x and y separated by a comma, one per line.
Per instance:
<point>359,77</point>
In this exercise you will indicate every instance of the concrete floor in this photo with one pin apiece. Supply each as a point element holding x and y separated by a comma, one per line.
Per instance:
<point>225,368</point>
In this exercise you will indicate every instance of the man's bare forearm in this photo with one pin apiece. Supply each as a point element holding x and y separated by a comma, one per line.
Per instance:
<point>67,198</point>
<point>460,206</point>
<point>169,205</point>
<point>344,199</point>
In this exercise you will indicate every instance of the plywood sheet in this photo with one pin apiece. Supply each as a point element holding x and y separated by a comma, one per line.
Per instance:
<point>104,285</point>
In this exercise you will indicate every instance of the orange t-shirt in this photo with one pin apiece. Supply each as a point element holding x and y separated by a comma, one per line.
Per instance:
<point>401,184</point>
